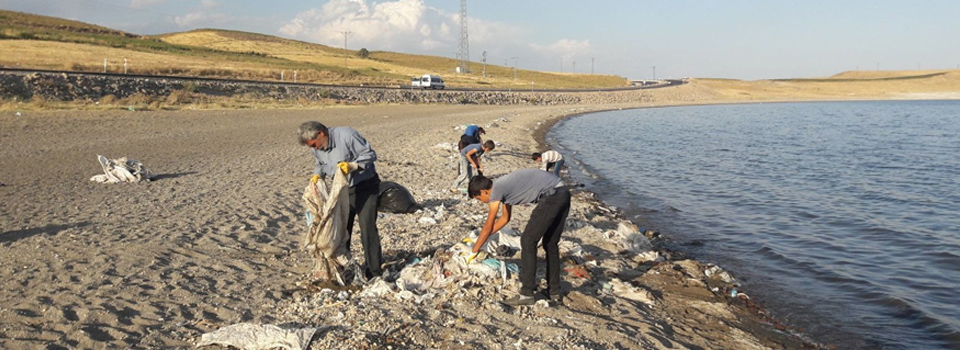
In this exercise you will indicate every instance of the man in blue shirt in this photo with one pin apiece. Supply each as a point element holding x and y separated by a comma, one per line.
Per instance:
<point>343,149</point>
<point>471,135</point>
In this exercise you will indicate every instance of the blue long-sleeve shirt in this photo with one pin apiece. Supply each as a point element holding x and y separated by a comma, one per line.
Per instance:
<point>346,145</point>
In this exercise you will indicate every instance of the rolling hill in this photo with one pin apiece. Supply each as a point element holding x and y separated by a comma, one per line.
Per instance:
<point>44,42</point>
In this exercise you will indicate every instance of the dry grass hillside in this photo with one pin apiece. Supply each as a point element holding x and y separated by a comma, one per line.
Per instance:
<point>43,42</point>
<point>941,84</point>
<point>392,63</point>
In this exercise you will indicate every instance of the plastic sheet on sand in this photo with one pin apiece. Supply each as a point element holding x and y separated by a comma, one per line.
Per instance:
<point>327,232</point>
<point>248,336</point>
<point>121,170</point>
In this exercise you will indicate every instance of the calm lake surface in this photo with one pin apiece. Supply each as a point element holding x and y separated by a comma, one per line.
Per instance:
<point>842,218</point>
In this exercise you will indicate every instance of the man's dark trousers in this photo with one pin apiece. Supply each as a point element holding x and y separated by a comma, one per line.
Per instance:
<point>546,223</point>
<point>364,200</point>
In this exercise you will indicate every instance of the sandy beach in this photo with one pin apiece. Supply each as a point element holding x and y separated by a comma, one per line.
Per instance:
<point>215,239</point>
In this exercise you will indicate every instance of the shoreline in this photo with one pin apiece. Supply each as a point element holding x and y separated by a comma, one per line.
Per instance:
<point>544,128</point>
<point>156,265</point>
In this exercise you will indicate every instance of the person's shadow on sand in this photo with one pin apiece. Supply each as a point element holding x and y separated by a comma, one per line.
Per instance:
<point>171,176</point>
<point>12,236</point>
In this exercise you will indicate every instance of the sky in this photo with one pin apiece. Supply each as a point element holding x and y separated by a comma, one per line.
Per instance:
<point>636,39</point>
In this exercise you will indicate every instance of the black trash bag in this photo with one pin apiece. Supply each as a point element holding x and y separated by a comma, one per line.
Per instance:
<point>394,198</point>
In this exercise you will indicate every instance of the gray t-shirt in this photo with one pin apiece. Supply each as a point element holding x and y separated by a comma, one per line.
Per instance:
<point>475,146</point>
<point>523,186</point>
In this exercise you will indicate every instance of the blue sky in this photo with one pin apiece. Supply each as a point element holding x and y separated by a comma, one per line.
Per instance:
<point>723,39</point>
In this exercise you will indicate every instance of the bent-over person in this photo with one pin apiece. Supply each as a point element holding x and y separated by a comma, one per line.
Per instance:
<point>527,186</point>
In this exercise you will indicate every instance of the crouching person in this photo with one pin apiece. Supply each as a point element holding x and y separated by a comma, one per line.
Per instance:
<point>527,186</point>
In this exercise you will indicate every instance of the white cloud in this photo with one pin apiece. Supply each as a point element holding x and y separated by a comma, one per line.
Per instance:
<point>144,3</point>
<point>394,25</point>
<point>202,19</point>
<point>411,26</point>
<point>208,4</point>
<point>390,25</point>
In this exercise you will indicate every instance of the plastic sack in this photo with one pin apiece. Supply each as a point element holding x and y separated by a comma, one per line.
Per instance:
<point>394,198</point>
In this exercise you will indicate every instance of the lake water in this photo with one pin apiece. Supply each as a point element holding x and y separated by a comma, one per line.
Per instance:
<point>842,218</point>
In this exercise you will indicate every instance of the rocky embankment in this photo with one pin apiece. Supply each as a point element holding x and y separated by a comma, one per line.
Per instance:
<point>93,87</point>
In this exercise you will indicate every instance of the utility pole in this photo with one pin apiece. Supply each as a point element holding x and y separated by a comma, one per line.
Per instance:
<point>591,65</point>
<point>484,64</point>
<point>574,67</point>
<point>654,72</point>
<point>345,33</point>
<point>561,64</point>
<point>104,65</point>
<point>456,57</point>
<point>515,59</point>
<point>124,65</point>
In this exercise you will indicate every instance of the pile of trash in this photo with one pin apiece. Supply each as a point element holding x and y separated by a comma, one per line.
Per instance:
<point>121,170</point>
<point>446,271</point>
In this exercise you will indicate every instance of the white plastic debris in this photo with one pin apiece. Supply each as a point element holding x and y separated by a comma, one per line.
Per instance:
<point>440,213</point>
<point>378,289</point>
<point>428,220</point>
<point>444,145</point>
<point>714,270</point>
<point>248,336</point>
<point>121,170</point>
<point>627,291</point>
<point>632,239</point>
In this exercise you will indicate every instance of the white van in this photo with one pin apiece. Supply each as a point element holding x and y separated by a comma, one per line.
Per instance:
<point>427,81</point>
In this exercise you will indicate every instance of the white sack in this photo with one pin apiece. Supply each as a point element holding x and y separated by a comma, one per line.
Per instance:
<point>326,237</point>
<point>259,337</point>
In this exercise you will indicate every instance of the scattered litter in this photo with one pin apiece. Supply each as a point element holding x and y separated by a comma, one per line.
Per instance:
<point>428,220</point>
<point>444,145</point>
<point>121,170</point>
<point>577,271</point>
<point>714,270</point>
<point>627,291</point>
<point>378,289</point>
<point>631,238</point>
<point>248,336</point>
<point>19,114</point>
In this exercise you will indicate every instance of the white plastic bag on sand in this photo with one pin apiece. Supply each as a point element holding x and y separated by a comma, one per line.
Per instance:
<point>632,239</point>
<point>378,289</point>
<point>327,234</point>
<point>568,248</point>
<point>625,290</point>
<point>259,337</point>
<point>121,170</point>
<point>714,270</point>
<point>507,237</point>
